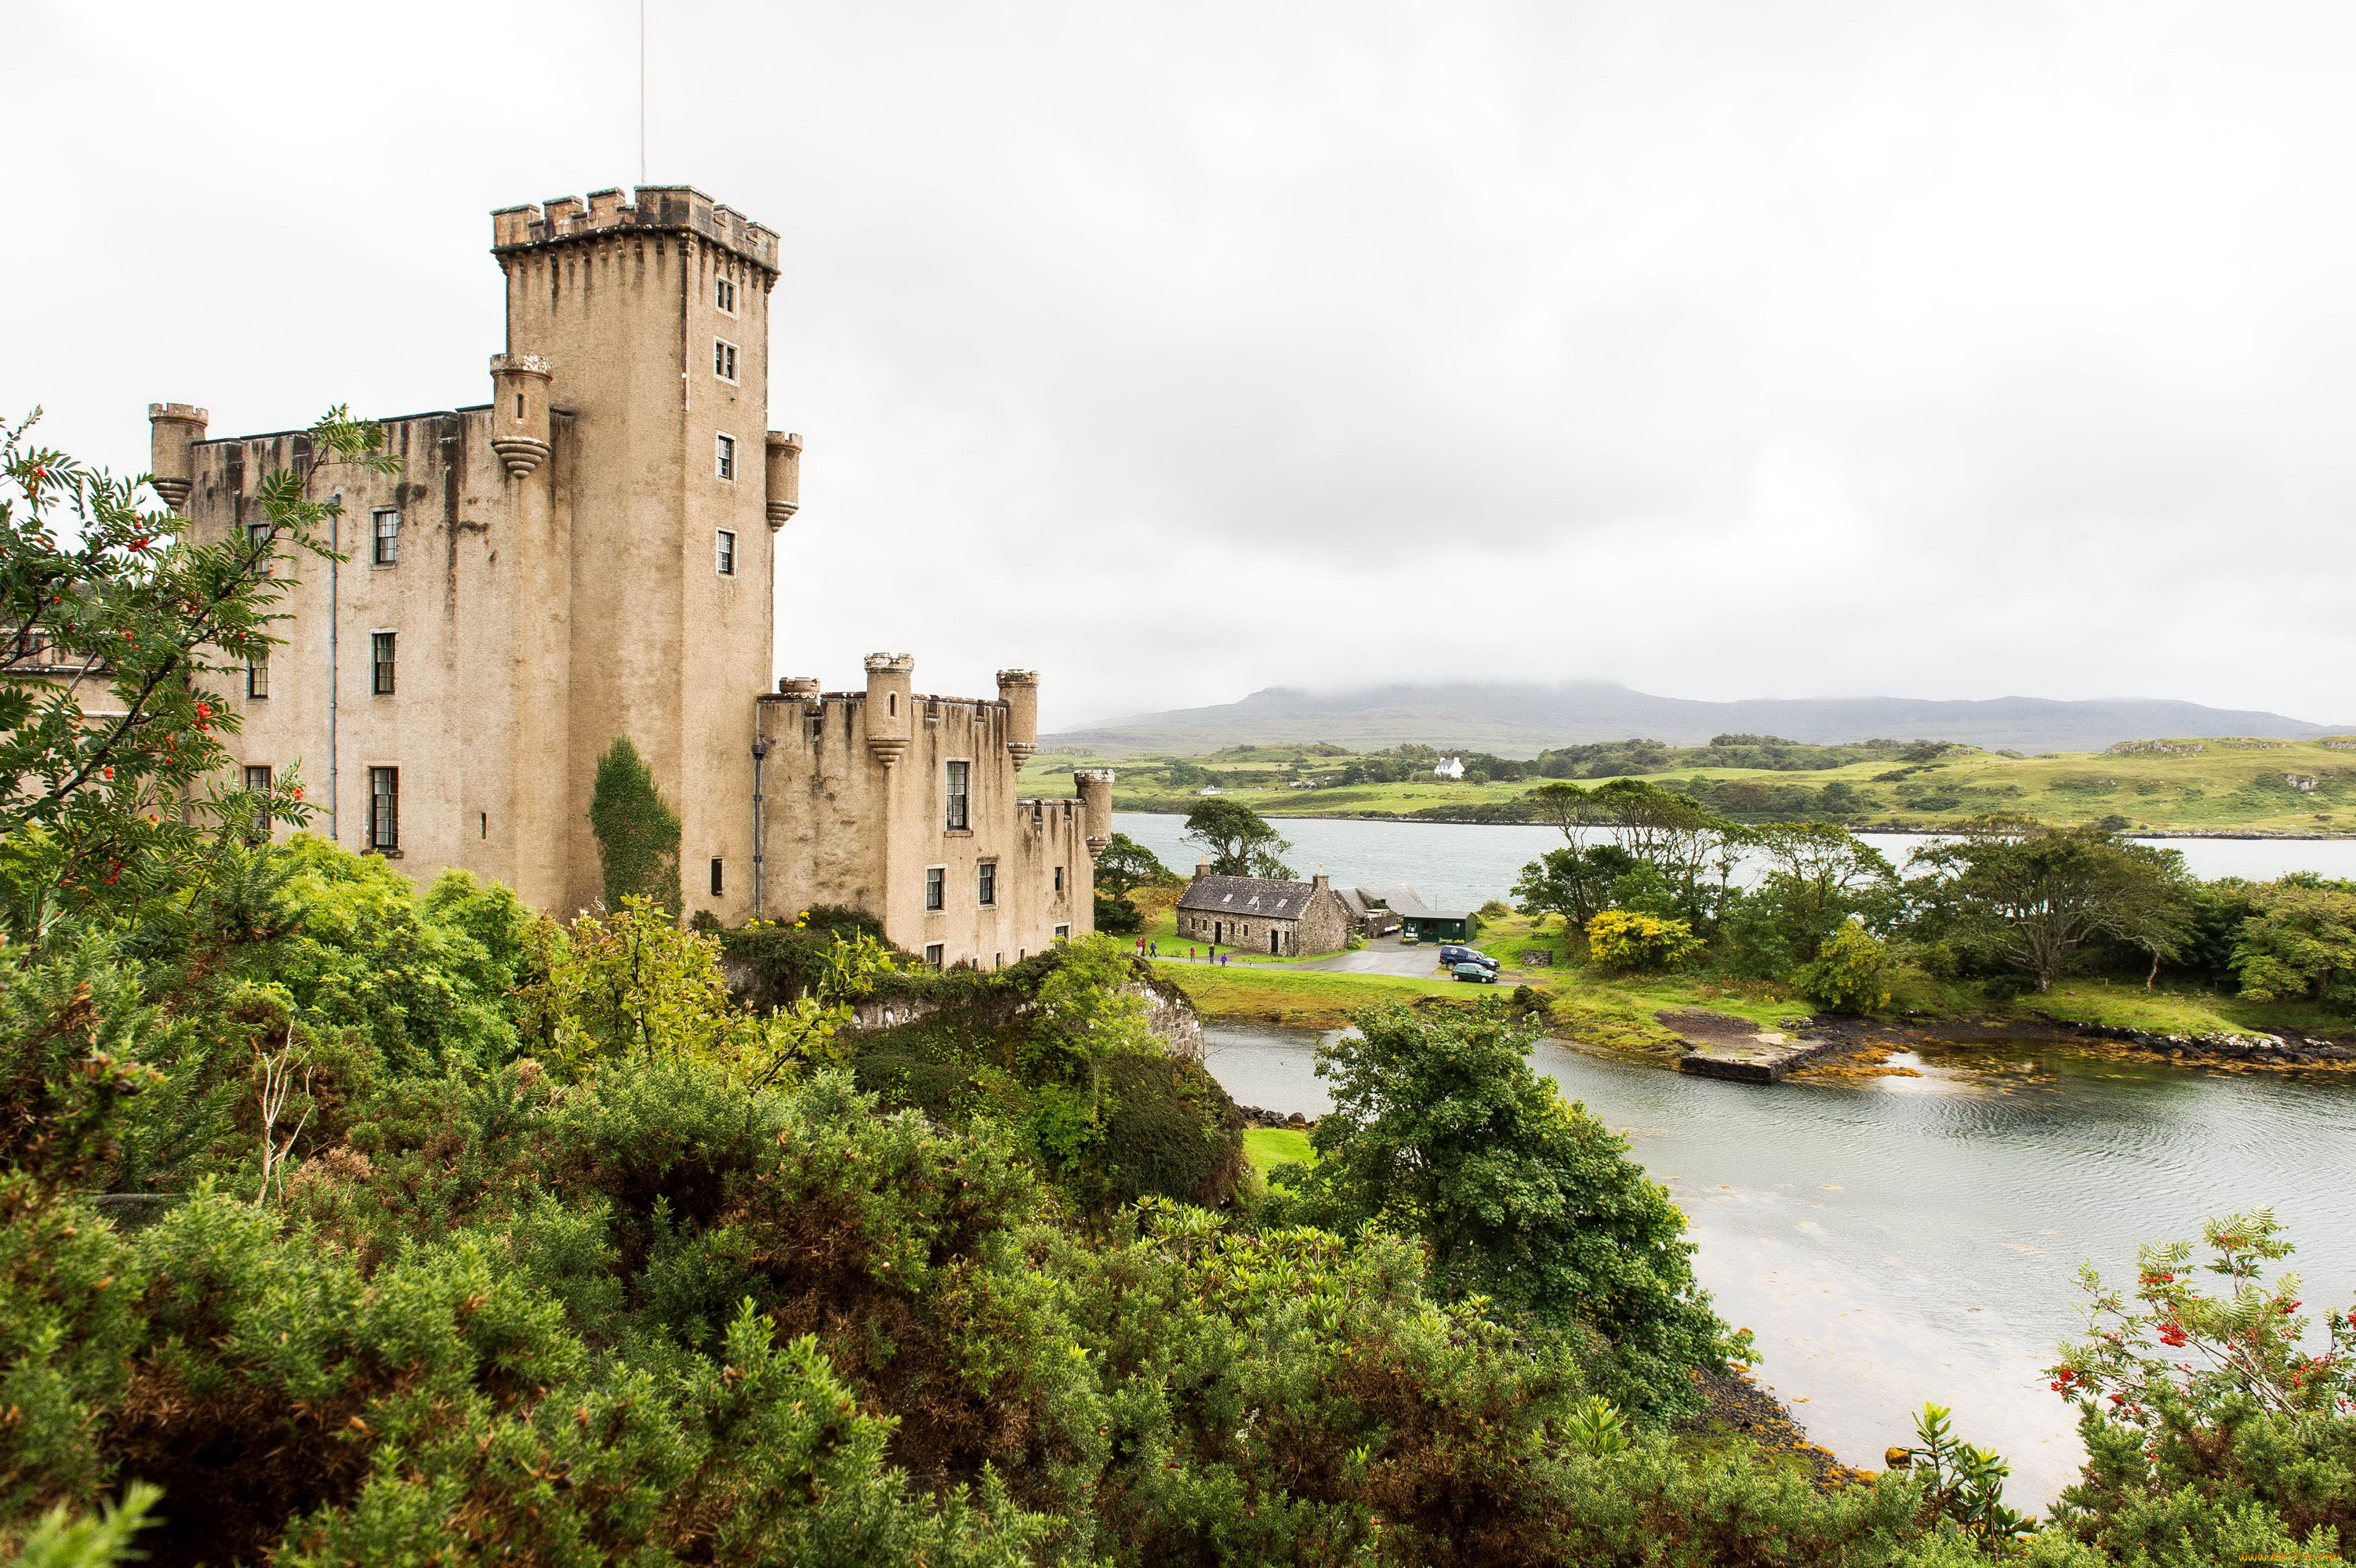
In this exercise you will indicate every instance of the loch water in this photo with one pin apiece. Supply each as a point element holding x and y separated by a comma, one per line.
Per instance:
<point>1896,1240</point>
<point>1461,866</point>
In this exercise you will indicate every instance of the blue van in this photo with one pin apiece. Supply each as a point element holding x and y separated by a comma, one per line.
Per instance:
<point>1455,955</point>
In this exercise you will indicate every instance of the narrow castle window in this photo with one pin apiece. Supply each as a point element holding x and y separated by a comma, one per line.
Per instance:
<point>518,408</point>
<point>1059,879</point>
<point>724,358</point>
<point>387,537</point>
<point>956,817</point>
<point>723,456</point>
<point>725,554</point>
<point>483,819</point>
<point>986,888</point>
<point>936,888</point>
<point>257,780</point>
<point>382,657</point>
<point>384,809</point>
<point>257,674</point>
<point>718,866</point>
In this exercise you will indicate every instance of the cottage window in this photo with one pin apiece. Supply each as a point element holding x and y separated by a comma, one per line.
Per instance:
<point>257,673</point>
<point>957,814</point>
<point>986,884</point>
<point>387,537</point>
<point>382,660</point>
<point>723,456</point>
<point>384,810</point>
<point>724,552</point>
<point>723,359</point>
<point>936,888</point>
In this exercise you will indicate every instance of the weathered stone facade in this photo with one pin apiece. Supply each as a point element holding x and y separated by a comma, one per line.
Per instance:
<point>1257,915</point>
<point>592,555</point>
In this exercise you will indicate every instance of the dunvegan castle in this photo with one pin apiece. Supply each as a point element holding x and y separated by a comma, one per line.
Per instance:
<point>593,555</point>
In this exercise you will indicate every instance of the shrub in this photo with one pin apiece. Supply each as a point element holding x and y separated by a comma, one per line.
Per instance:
<point>1638,943</point>
<point>1851,973</point>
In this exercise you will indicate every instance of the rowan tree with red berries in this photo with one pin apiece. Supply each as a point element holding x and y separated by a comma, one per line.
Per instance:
<point>114,628</point>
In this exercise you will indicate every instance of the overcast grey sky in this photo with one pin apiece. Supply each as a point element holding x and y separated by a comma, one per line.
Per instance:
<point>1726,349</point>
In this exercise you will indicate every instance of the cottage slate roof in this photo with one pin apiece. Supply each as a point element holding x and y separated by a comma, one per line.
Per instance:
<point>1401,901</point>
<point>1247,896</point>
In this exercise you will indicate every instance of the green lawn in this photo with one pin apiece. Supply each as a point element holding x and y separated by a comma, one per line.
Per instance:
<point>1267,1147</point>
<point>1310,998</point>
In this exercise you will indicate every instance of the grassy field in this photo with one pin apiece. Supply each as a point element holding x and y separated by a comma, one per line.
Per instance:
<point>2214,785</point>
<point>1267,1147</point>
<point>1309,998</point>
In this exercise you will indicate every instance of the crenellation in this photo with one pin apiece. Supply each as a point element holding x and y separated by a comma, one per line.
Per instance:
<point>658,210</point>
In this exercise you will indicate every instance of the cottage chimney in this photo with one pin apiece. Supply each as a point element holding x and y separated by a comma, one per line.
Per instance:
<point>1322,883</point>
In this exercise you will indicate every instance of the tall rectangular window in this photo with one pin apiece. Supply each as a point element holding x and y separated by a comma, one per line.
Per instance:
<point>723,456</point>
<point>724,553</point>
<point>259,538</point>
<point>1059,879</point>
<point>382,645</point>
<point>956,815</point>
<point>937,886</point>
<point>387,537</point>
<point>718,867</point>
<point>724,358</point>
<point>724,293</point>
<point>986,886</point>
<point>257,673</point>
<point>257,781</point>
<point>384,809</point>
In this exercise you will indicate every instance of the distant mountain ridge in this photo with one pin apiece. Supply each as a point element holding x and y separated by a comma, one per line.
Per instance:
<point>1522,720</point>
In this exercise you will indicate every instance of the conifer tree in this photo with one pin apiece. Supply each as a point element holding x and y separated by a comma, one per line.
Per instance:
<point>638,835</point>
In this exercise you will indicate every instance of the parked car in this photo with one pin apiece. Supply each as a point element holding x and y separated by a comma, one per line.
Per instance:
<point>1454,954</point>
<point>1477,973</point>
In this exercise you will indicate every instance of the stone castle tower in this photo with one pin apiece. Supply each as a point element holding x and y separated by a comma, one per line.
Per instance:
<point>591,555</point>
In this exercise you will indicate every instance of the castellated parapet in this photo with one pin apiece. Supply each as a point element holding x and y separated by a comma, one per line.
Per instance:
<point>591,556</point>
<point>659,209</point>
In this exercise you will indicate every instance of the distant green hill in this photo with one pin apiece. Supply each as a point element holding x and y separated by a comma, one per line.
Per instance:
<point>1522,720</point>
<point>2197,784</point>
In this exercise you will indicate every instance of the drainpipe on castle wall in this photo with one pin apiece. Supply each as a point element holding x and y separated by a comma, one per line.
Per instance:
<point>760,751</point>
<point>335,553</point>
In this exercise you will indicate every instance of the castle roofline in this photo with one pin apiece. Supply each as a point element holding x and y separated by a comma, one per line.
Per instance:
<point>373,419</point>
<point>658,209</point>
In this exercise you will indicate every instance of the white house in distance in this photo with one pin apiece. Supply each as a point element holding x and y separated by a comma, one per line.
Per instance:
<point>1447,767</point>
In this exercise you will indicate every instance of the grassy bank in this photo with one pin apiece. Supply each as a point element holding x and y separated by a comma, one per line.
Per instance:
<point>1267,1147</point>
<point>2194,786</point>
<point>1310,998</point>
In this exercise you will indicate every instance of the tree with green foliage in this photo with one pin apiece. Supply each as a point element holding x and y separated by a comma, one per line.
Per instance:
<point>1575,882</point>
<point>2036,899</point>
<point>637,834</point>
<point>1124,866</point>
<point>1238,840</point>
<point>1440,1130</point>
<point>2299,943</point>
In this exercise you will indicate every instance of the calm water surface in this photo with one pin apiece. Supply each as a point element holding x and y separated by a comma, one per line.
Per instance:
<point>1909,1239</point>
<point>1464,864</point>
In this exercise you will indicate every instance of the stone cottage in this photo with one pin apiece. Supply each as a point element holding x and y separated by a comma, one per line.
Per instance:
<point>1261,915</point>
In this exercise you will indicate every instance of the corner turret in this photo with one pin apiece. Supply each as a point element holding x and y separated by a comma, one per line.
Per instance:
<point>172,429</point>
<point>889,700</point>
